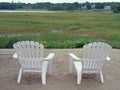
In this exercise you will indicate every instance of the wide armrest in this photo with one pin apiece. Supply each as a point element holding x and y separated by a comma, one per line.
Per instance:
<point>15,55</point>
<point>74,57</point>
<point>108,58</point>
<point>49,57</point>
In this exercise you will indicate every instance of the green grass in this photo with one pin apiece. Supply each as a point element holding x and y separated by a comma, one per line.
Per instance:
<point>60,30</point>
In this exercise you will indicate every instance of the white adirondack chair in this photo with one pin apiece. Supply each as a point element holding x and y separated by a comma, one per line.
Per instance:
<point>92,61</point>
<point>30,56</point>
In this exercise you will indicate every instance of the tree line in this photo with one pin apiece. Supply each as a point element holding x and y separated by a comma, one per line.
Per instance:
<point>58,6</point>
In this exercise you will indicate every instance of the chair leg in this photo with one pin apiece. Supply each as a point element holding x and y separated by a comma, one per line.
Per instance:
<point>19,75</point>
<point>78,67</point>
<point>43,78</point>
<point>101,77</point>
<point>44,70</point>
<point>79,77</point>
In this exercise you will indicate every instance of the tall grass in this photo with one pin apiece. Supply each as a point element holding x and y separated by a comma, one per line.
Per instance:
<point>60,30</point>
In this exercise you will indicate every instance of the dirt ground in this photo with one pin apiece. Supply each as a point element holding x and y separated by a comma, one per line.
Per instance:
<point>60,78</point>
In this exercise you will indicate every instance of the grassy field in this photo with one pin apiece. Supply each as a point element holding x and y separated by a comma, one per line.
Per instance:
<point>60,29</point>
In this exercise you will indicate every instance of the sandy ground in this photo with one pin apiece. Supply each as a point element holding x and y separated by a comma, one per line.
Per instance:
<point>60,78</point>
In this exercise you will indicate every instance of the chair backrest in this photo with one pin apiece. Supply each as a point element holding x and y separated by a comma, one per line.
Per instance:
<point>94,55</point>
<point>29,53</point>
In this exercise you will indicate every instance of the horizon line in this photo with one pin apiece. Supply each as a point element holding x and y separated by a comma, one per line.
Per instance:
<point>60,2</point>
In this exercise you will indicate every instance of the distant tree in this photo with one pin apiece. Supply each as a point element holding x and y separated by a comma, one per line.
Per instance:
<point>76,5</point>
<point>88,5</point>
<point>5,5</point>
<point>41,5</point>
<point>117,9</point>
<point>21,6</point>
<point>70,7</point>
<point>99,6</point>
<point>55,7</point>
<point>58,6</point>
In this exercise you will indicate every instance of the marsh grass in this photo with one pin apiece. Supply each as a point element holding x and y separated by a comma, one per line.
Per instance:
<point>60,30</point>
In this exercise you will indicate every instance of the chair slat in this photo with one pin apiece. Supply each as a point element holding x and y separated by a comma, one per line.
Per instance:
<point>31,52</point>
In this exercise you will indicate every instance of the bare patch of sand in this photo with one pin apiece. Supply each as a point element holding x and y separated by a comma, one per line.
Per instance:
<point>60,78</point>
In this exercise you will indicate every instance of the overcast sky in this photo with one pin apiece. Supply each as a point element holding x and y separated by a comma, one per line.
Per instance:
<point>58,1</point>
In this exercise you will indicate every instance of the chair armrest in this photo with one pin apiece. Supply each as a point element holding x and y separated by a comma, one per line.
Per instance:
<point>108,58</point>
<point>74,57</point>
<point>15,56</point>
<point>49,57</point>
